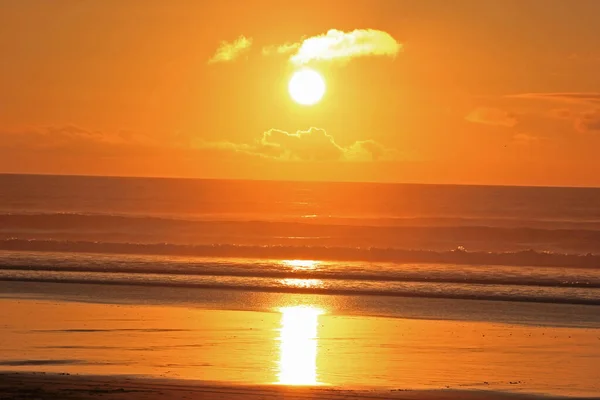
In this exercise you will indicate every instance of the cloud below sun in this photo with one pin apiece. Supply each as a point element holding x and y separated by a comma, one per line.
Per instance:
<point>314,144</point>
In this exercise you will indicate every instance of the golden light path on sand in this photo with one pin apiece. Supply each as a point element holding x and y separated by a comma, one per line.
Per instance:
<point>298,334</point>
<point>298,337</point>
<point>301,340</point>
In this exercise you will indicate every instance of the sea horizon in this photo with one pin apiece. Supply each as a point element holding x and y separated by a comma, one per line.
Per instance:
<point>302,239</point>
<point>415,183</point>
<point>251,200</point>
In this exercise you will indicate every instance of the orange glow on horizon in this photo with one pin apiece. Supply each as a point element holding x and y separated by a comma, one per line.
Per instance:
<point>212,100</point>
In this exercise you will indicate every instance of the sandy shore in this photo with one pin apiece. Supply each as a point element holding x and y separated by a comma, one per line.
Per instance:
<point>260,353</point>
<point>42,386</point>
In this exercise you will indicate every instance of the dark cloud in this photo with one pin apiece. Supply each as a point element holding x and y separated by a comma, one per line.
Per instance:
<point>588,121</point>
<point>561,113</point>
<point>492,116</point>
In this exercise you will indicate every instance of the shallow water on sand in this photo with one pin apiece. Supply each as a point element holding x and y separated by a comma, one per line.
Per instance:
<point>296,344</point>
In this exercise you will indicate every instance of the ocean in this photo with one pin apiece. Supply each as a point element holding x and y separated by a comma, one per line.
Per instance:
<point>298,283</point>
<point>515,244</point>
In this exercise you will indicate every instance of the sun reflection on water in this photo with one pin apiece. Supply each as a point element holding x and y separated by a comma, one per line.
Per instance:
<point>301,264</point>
<point>302,283</point>
<point>298,345</point>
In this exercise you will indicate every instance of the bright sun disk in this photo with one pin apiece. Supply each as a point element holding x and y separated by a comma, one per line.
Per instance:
<point>306,87</point>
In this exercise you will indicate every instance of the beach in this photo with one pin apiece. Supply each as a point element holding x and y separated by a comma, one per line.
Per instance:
<point>19,386</point>
<point>271,289</point>
<point>293,345</point>
<point>250,200</point>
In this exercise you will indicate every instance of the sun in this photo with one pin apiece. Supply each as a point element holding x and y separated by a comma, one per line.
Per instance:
<point>306,87</point>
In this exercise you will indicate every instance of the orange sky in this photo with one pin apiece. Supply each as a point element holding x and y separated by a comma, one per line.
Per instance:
<point>489,92</point>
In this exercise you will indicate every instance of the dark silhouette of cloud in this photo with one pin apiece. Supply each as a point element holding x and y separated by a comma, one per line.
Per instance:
<point>588,121</point>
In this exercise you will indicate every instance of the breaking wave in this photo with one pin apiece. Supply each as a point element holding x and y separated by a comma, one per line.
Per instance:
<point>456,256</point>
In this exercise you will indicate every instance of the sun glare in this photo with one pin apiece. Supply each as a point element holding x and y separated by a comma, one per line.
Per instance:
<point>298,345</point>
<point>307,87</point>
<point>301,264</point>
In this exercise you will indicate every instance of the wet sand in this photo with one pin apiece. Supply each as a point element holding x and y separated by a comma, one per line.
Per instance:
<point>289,345</point>
<point>41,386</point>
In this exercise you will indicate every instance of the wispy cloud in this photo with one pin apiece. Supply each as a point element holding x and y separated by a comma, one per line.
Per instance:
<point>336,45</point>
<point>525,139</point>
<point>70,137</point>
<point>585,121</point>
<point>285,48</point>
<point>492,116</point>
<point>313,144</point>
<point>229,51</point>
<point>568,97</point>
